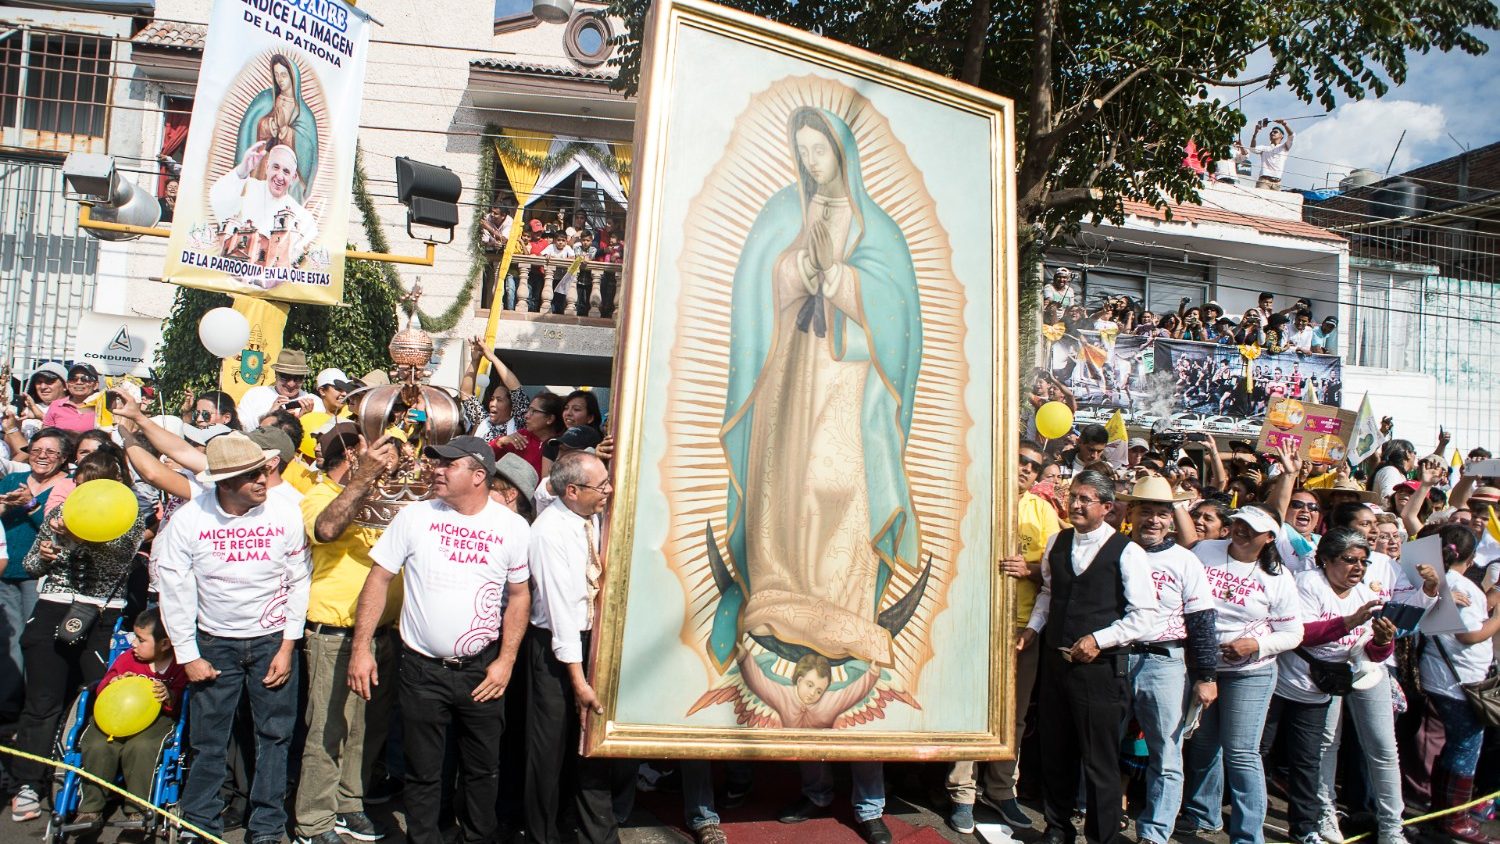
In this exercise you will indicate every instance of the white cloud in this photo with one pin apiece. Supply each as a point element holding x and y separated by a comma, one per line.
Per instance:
<point>1364,134</point>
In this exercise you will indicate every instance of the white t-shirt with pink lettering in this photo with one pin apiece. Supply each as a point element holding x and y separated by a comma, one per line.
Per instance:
<point>237,577</point>
<point>456,569</point>
<point>1181,588</point>
<point>1251,604</point>
<point>1320,603</point>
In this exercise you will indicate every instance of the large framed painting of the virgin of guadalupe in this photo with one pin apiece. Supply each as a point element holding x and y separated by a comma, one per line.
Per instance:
<point>813,408</point>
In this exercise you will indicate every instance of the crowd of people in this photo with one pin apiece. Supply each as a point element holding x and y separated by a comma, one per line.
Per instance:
<point>1196,628</point>
<point>1265,326</point>
<point>555,238</point>
<point>1252,620</point>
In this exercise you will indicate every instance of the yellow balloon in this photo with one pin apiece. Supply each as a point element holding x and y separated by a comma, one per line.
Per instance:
<point>100,511</point>
<point>1054,420</point>
<point>126,706</point>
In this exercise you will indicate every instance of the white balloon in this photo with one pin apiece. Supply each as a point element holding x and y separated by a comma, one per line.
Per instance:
<point>224,332</point>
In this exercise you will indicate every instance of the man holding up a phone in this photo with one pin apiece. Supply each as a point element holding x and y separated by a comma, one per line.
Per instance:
<point>286,392</point>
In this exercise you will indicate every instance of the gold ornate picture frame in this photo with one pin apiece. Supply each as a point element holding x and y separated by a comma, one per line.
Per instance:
<point>814,408</point>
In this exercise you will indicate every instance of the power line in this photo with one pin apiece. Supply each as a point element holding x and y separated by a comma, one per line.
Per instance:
<point>1285,271</point>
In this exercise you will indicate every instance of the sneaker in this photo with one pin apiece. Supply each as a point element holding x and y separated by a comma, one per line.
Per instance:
<point>90,818</point>
<point>1312,838</point>
<point>710,834</point>
<point>1328,828</point>
<point>328,837</point>
<point>25,806</point>
<point>1393,838</point>
<point>1011,813</point>
<point>357,825</point>
<point>267,839</point>
<point>384,791</point>
<point>962,818</point>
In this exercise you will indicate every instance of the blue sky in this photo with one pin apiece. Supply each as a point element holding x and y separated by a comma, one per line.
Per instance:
<point>1444,93</point>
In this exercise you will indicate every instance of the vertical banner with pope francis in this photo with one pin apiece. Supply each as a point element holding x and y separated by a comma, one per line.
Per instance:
<point>263,203</point>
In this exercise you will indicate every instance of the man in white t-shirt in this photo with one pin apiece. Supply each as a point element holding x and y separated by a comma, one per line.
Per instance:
<point>1177,663</point>
<point>463,559</point>
<point>233,572</point>
<point>1273,157</point>
<point>291,371</point>
<point>1301,336</point>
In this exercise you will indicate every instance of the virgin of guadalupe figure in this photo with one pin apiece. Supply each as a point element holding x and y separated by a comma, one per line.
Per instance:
<point>825,346</point>
<point>280,114</point>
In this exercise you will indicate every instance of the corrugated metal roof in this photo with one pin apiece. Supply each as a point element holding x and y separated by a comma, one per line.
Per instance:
<point>1202,214</point>
<point>542,69</point>
<point>172,35</point>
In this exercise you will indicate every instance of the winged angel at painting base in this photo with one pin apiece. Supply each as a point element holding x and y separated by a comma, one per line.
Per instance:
<point>825,349</point>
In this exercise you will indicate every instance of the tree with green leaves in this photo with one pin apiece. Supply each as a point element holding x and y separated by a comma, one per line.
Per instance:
<point>1108,93</point>
<point>352,337</point>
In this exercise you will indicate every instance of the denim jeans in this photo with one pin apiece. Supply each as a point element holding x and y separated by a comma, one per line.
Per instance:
<point>698,789</point>
<point>1159,692</point>
<point>1374,718</point>
<point>1302,726</point>
<point>868,793</point>
<point>1227,746</point>
<point>241,663</point>
<point>17,600</point>
<point>1464,736</point>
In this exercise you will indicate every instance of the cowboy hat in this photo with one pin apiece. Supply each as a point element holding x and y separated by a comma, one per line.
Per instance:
<point>1156,490</point>
<point>1345,485</point>
<point>231,455</point>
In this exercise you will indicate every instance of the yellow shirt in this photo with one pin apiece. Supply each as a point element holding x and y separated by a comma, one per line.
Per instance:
<point>340,566</point>
<point>1036,522</point>
<point>297,474</point>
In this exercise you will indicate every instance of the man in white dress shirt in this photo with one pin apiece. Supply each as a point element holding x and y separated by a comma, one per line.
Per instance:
<point>258,202</point>
<point>567,571</point>
<point>1174,664</point>
<point>463,614</point>
<point>233,572</point>
<point>1097,599</point>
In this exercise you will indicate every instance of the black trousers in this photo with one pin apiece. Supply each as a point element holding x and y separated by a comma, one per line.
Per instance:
<point>554,770</point>
<point>1084,706</point>
<point>435,697</point>
<point>1301,725</point>
<point>54,674</point>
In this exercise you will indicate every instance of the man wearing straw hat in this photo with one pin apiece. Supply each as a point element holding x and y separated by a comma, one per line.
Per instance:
<point>1175,665</point>
<point>233,574</point>
<point>291,371</point>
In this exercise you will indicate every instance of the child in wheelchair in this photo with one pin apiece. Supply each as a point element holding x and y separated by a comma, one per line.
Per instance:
<point>135,756</point>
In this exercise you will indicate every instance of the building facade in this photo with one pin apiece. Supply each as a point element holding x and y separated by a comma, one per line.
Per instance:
<point>451,86</point>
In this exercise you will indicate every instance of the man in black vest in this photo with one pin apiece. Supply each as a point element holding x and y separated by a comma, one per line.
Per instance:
<point>1097,598</point>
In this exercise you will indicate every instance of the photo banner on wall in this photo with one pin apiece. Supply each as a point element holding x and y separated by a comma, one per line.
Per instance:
<point>264,198</point>
<point>1199,386</point>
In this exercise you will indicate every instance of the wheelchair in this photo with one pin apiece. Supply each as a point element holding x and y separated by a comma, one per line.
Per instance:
<point>166,782</point>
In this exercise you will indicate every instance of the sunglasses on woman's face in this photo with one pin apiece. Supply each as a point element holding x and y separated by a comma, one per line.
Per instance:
<point>1311,506</point>
<point>203,414</point>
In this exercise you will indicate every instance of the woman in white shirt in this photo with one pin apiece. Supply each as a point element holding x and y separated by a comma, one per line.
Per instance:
<point>1338,609</point>
<point>1259,617</point>
<point>1467,655</point>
